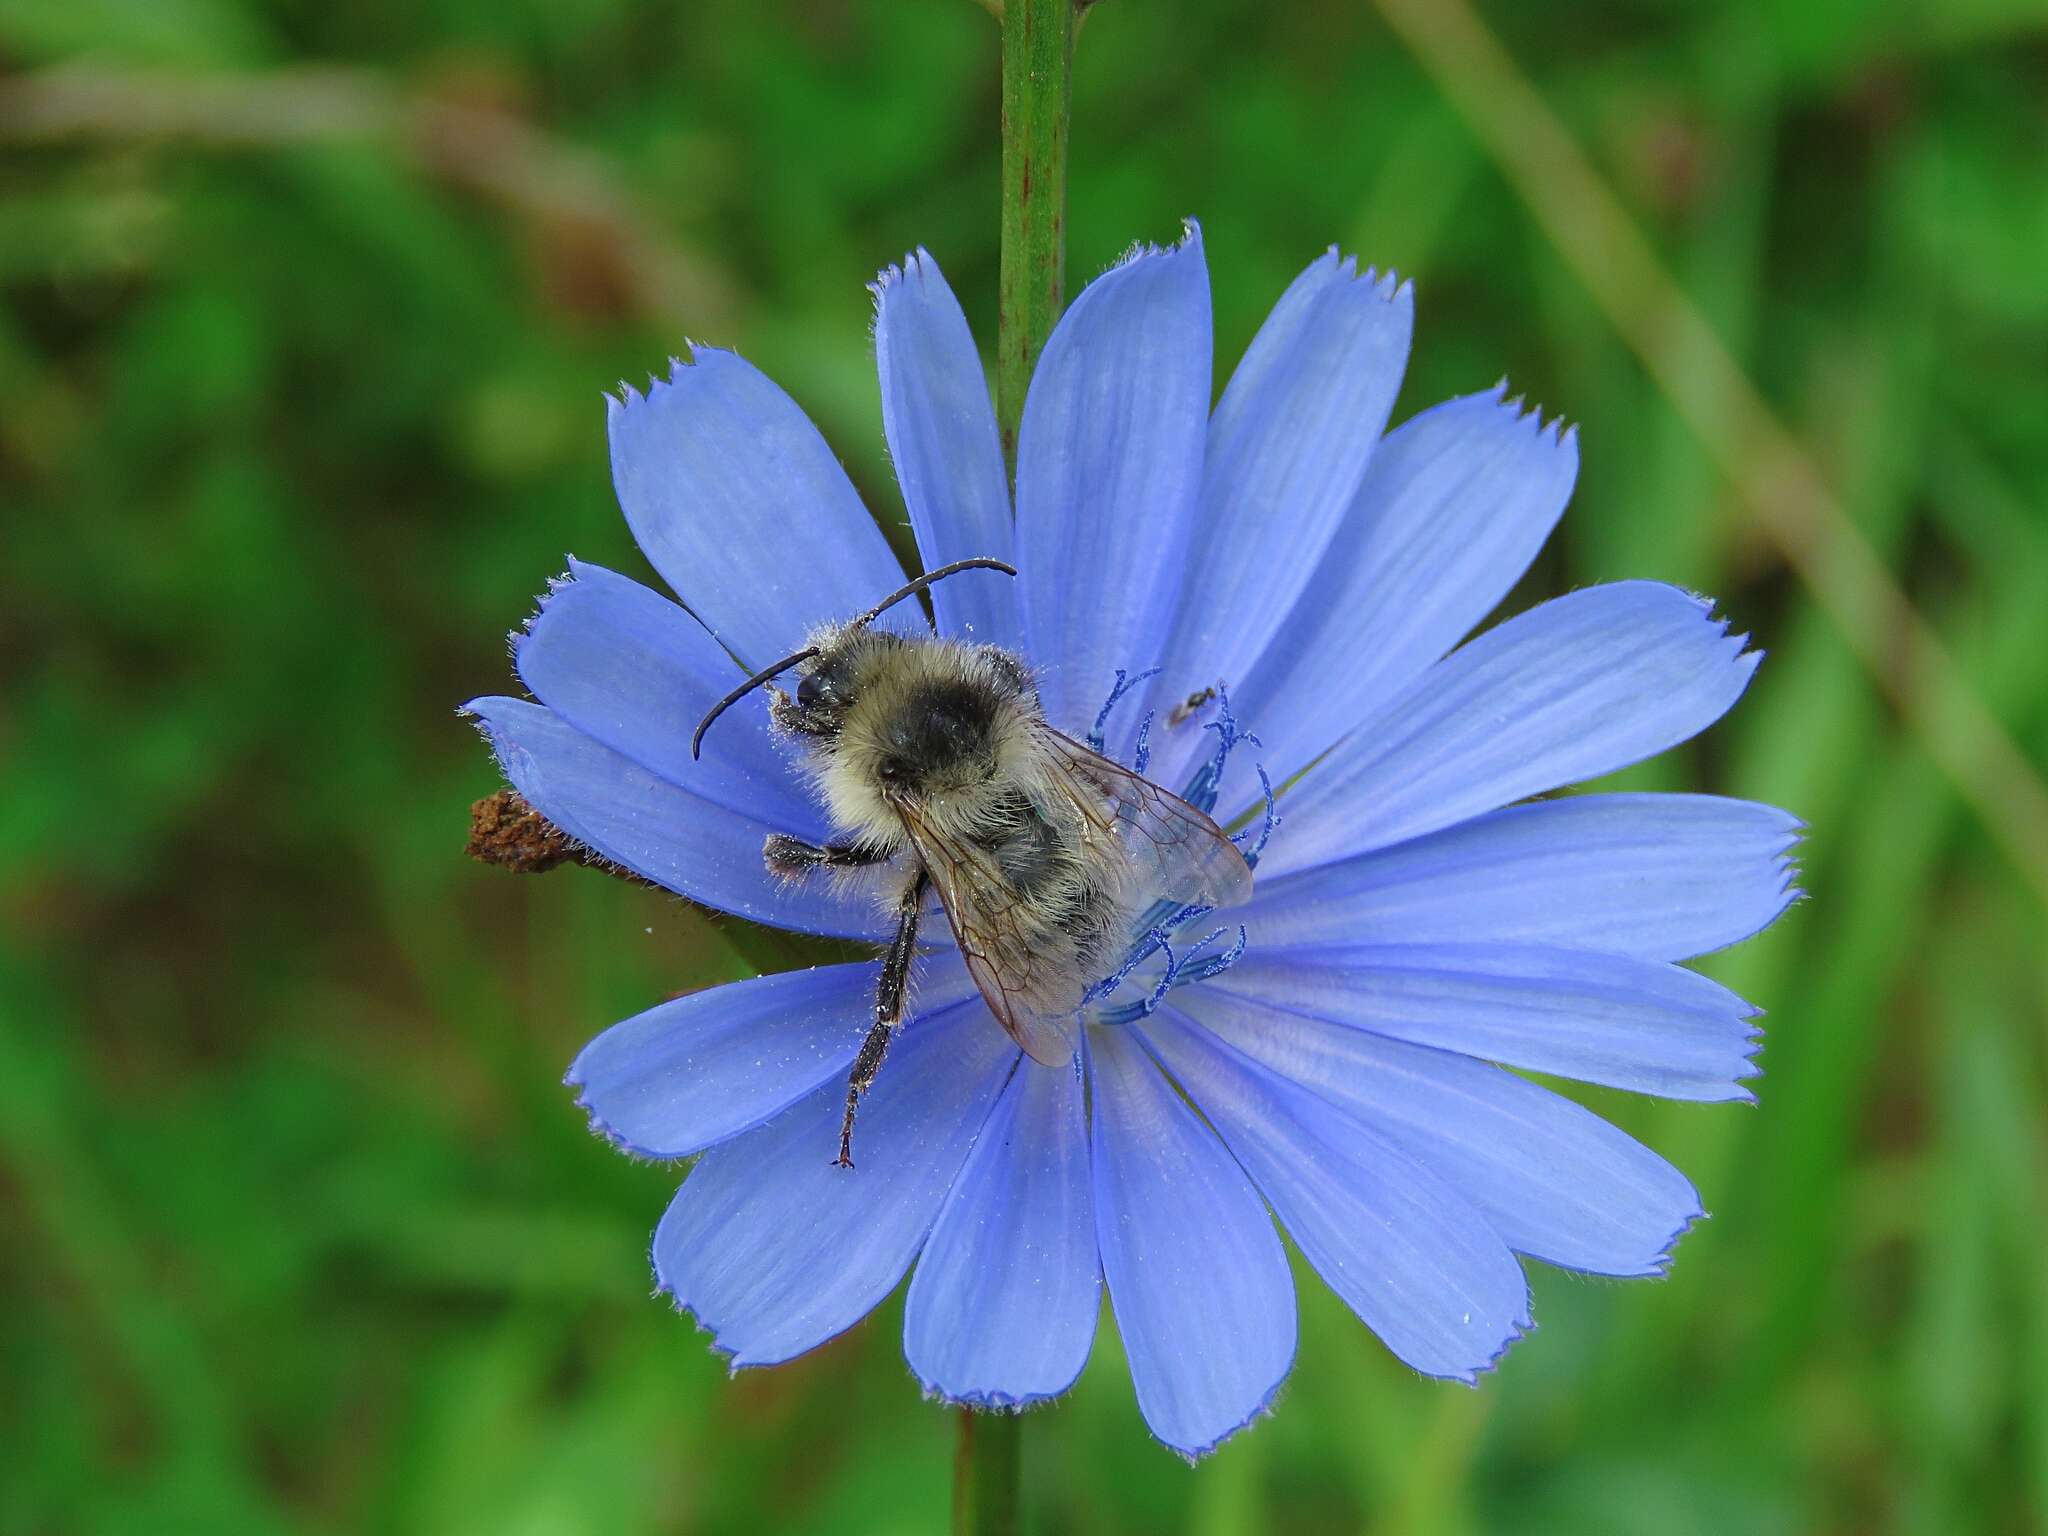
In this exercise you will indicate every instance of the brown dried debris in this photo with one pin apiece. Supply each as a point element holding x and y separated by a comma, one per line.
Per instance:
<point>504,830</point>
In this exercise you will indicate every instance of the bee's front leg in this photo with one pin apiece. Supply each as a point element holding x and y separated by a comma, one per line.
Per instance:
<point>792,856</point>
<point>889,996</point>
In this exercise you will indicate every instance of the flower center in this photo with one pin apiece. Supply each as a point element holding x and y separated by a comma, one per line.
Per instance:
<point>1163,944</point>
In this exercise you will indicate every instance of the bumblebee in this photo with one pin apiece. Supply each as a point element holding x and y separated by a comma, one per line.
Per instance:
<point>940,773</point>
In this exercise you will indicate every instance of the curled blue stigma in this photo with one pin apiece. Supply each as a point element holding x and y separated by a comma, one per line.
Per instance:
<point>1125,682</point>
<point>1154,930</point>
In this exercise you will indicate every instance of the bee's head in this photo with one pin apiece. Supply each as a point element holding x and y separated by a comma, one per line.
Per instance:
<point>908,719</point>
<point>830,681</point>
<point>831,662</point>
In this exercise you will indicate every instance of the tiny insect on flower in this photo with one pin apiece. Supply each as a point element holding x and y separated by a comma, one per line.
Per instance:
<point>1081,760</point>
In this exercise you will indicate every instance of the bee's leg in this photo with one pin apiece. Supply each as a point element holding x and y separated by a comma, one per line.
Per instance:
<point>889,995</point>
<point>792,856</point>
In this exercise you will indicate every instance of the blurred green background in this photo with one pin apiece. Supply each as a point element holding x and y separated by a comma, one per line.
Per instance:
<point>304,314</point>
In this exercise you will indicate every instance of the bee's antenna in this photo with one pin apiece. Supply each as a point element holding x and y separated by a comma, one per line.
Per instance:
<point>910,589</point>
<point>697,739</point>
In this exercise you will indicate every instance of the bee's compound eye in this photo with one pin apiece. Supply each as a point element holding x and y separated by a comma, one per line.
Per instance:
<point>810,691</point>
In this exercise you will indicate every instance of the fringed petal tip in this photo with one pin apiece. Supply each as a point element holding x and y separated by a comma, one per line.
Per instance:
<point>695,355</point>
<point>577,570</point>
<point>1528,413</point>
<point>1741,1066</point>
<point>626,397</point>
<point>478,713</point>
<point>1748,1072</point>
<point>916,264</point>
<point>1659,1267</point>
<point>1749,1068</point>
<point>1518,1329</point>
<point>991,1401</point>
<point>1741,655</point>
<point>735,1362</point>
<point>683,1308</point>
<point>1740,651</point>
<point>1387,285</point>
<point>1788,859</point>
<point>1145,250</point>
<point>662,1289</point>
<point>1785,864</point>
<point>1191,1454</point>
<point>612,1135</point>
<point>515,639</point>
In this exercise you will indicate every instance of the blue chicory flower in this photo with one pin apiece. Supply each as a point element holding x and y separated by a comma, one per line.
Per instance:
<point>1422,920</point>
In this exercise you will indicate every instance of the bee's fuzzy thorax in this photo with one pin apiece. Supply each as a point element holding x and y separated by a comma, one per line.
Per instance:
<point>933,719</point>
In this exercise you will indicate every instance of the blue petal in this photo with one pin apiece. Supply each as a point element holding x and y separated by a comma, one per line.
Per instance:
<point>776,1250</point>
<point>1109,463</point>
<point>1635,1024</point>
<point>1002,1308</point>
<point>1286,450</point>
<point>1659,877</point>
<point>1453,507</point>
<point>722,478</point>
<point>1405,1251</point>
<point>1577,687</point>
<point>1196,1273</point>
<point>942,436</point>
<point>691,845</point>
<point>691,1073</point>
<point>1555,1180</point>
<point>630,669</point>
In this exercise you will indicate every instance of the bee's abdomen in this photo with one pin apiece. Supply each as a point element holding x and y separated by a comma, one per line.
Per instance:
<point>1031,853</point>
<point>1075,907</point>
<point>1094,924</point>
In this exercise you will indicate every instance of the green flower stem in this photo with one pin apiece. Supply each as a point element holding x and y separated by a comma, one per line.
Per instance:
<point>1038,63</point>
<point>985,1477</point>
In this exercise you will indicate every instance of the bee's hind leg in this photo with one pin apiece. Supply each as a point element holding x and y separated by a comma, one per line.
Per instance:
<point>889,996</point>
<point>792,856</point>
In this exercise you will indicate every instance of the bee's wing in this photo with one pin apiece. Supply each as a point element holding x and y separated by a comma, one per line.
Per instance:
<point>1179,852</point>
<point>971,887</point>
